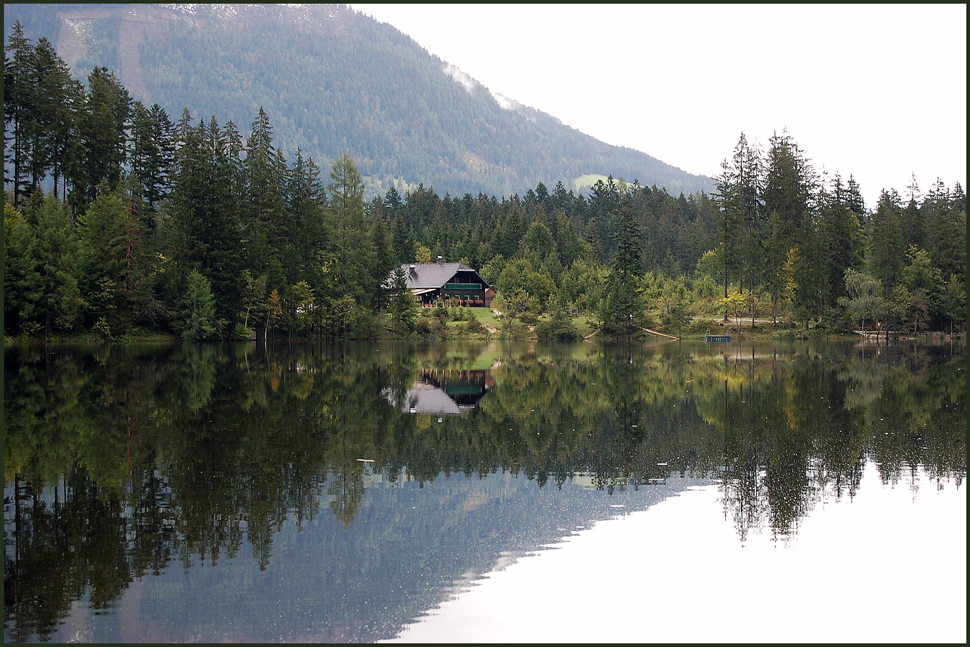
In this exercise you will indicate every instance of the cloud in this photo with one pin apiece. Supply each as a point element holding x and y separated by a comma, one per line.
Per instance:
<point>504,101</point>
<point>468,82</point>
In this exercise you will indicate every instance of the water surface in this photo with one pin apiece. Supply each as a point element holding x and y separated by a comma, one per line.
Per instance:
<point>370,492</point>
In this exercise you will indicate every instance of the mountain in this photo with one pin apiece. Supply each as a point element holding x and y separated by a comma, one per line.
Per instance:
<point>333,79</point>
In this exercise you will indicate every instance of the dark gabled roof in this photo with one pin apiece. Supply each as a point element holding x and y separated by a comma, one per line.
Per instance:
<point>434,275</point>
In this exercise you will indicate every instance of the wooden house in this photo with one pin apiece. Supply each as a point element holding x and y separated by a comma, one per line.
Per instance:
<point>453,284</point>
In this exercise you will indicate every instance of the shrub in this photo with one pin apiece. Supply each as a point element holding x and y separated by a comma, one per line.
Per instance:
<point>560,328</point>
<point>199,309</point>
<point>473,325</point>
<point>242,333</point>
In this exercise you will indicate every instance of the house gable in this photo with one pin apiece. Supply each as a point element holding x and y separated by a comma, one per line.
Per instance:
<point>453,283</point>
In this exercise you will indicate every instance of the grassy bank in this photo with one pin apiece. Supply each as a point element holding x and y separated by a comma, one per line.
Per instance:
<point>488,325</point>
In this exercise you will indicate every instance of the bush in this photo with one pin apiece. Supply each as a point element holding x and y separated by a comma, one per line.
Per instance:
<point>473,325</point>
<point>559,328</point>
<point>242,333</point>
<point>431,326</point>
<point>199,309</point>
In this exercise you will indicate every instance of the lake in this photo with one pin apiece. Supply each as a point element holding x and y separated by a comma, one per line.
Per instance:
<point>485,492</point>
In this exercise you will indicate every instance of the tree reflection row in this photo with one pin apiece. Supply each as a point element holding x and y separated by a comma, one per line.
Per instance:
<point>125,460</point>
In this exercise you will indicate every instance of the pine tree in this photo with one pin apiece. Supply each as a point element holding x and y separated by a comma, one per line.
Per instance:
<point>886,243</point>
<point>22,283</point>
<point>19,98</point>
<point>622,309</point>
<point>152,151</point>
<point>392,202</point>
<point>403,305</point>
<point>263,207</point>
<point>730,204</point>
<point>854,200</point>
<point>843,247</point>
<point>57,254</point>
<point>53,119</point>
<point>198,309</point>
<point>513,229</point>
<point>958,199</point>
<point>108,257</point>
<point>104,128</point>
<point>306,202</point>
<point>205,217</point>
<point>75,154</point>
<point>912,218</point>
<point>743,221</point>
<point>223,263</point>
<point>604,200</point>
<point>383,258</point>
<point>946,232</point>
<point>786,198</point>
<point>354,258</point>
<point>401,240</point>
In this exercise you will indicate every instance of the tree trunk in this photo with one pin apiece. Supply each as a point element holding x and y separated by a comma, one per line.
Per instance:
<point>725,289</point>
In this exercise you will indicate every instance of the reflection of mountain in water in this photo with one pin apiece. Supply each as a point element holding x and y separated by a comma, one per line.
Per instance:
<point>447,392</point>
<point>207,488</point>
<point>411,547</point>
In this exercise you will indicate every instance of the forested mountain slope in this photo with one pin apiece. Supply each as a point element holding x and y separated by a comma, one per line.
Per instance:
<point>332,79</point>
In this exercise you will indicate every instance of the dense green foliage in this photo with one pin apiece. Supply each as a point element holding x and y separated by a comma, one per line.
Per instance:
<point>807,246</point>
<point>191,229</point>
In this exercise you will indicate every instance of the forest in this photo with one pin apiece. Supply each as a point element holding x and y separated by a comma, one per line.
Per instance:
<point>121,221</point>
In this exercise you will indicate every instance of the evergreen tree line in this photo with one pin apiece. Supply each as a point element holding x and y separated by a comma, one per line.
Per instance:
<point>190,228</point>
<point>798,245</point>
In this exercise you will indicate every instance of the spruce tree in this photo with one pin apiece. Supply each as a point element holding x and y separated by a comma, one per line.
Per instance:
<point>152,151</point>
<point>19,98</point>
<point>108,258</point>
<point>730,200</point>
<point>383,258</point>
<point>263,206</point>
<point>53,118</point>
<point>401,240</point>
<point>57,255</point>
<point>912,217</point>
<point>946,232</point>
<point>622,309</point>
<point>104,128</point>
<point>843,247</point>
<point>22,281</point>
<point>306,202</point>
<point>886,242</point>
<point>787,201</point>
<point>354,257</point>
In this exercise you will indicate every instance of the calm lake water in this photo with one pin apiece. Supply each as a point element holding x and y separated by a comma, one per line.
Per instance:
<point>460,492</point>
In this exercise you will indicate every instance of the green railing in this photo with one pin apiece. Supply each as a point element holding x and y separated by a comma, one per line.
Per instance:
<point>463,286</point>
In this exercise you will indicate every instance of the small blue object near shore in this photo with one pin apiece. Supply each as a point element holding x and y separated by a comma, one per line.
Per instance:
<point>711,338</point>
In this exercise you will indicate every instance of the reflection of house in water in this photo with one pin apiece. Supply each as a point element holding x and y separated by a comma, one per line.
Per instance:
<point>447,391</point>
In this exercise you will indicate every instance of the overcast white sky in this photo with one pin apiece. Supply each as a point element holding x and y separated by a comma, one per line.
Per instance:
<point>874,91</point>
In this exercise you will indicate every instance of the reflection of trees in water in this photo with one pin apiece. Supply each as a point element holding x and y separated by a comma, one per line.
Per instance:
<point>346,492</point>
<point>78,539</point>
<point>185,454</point>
